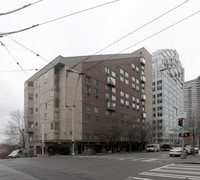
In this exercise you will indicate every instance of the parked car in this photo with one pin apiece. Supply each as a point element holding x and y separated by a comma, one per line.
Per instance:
<point>152,147</point>
<point>196,149</point>
<point>21,153</point>
<point>175,151</point>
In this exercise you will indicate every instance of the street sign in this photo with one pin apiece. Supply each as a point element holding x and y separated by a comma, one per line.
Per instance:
<point>191,128</point>
<point>43,145</point>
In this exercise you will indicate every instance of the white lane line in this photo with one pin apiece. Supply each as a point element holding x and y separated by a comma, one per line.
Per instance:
<point>175,176</point>
<point>129,178</point>
<point>176,171</point>
<point>149,160</point>
<point>121,159</point>
<point>137,159</point>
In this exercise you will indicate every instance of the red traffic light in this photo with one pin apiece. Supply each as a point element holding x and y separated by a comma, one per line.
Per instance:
<point>180,121</point>
<point>186,134</point>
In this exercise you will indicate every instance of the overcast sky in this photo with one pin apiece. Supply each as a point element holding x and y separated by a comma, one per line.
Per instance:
<point>88,32</point>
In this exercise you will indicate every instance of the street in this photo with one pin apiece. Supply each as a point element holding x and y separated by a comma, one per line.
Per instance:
<point>128,166</point>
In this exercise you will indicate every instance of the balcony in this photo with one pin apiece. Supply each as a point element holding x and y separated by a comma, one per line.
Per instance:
<point>143,79</point>
<point>111,106</point>
<point>111,81</point>
<point>143,97</point>
<point>142,61</point>
<point>144,115</point>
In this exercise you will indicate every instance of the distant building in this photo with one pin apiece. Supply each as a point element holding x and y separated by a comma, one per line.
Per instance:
<point>167,83</point>
<point>192,108</point>
<point>97,103</point>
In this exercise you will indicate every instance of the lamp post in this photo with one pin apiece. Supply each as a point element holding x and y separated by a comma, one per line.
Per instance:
<point>73,153</point>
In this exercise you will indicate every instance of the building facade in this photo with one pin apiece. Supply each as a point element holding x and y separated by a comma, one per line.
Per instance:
<point>90,103</point>
<point>167,88</point>
<point>192,109</point>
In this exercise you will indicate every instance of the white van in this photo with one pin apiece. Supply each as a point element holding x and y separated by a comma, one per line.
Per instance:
<point>152,147</point>
<point>21,153</point>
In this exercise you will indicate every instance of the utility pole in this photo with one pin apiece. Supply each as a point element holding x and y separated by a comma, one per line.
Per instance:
<point>73,130</point>
<point>42,137</point>
<point>193,138</point>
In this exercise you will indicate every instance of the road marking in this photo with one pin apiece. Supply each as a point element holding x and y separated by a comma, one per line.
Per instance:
<point>148,160</point>
<point>121,159</point>
<point>175,176</point>
<point>138,159</point>
<point>129,178</point>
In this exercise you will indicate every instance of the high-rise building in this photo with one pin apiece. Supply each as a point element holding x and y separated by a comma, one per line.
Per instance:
<point>90,103</point>
<point>192,109</point>
<point>167,83</point>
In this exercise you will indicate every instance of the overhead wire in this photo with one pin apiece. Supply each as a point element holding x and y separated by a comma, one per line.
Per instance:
<point>46,22</point>
<point>18,9</point>
<point>123,37</point>
<point>13,57</point>
<point>158,32</point>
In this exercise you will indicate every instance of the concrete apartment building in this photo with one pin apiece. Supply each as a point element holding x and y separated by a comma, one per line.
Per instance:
<point>90,103</point>
<point>192,109</point>
<point>167,83</point>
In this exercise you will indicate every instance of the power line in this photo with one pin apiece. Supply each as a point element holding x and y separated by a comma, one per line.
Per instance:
<point>27,48</point>
<point>18,9</point>
<point>36,25</point>
<point>13,57</point>
<point>144,39</point>
<point>14,70</point>
<point>135,30</point>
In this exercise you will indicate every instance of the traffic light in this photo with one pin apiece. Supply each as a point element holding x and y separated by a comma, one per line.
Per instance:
<point>186,134</point>
<point>180,121</point>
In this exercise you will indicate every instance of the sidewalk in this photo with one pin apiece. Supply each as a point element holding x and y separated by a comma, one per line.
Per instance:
<point>190,159</point>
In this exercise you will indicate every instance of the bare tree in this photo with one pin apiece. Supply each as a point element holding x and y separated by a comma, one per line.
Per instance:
<point>15,134</point>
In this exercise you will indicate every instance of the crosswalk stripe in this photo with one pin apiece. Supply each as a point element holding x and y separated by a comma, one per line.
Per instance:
<point>129,178</point>
<point>175,176</point>
<point>148,160</point>
<point>138,159</point>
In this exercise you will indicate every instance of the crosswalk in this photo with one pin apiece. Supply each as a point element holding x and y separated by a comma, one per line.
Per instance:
<point>120,158</point>
<point>171,171</point>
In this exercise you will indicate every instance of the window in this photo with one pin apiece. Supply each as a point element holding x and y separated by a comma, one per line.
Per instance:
<point>56,103</point>
<point>45,116</point>
<point>107,96</point>
<point>137,100</point>
<point>30,97</point>
<point>133,85</point>
<point>51,126</point>
<point>96,92</point>
<point>133,78</point>
<point>30,124</point>
<point>107,87</point>
<point>87,117</point>
<point>56,136</point>
<point>121,93</point>
<point>56,114</point>
<point>96,110</point>
<point>127,96</point>
<point>114,90</point>
<point>45,106</point>
<point>133,105</point>
<point>88,136</point>
<point>30,110</point>
<point>137,69</point>
<point>96,119</point>
<point>111,80</point>
<point>88,108</point>
<point>121,79</point>
<point>126,74</point>
<point>113,98</point>
<point>56,126</point>
<point>122,101</point>
<point>137,88</point>
<point>45,85</point>
<point>127,103</point>
<point>88,78</point>
<point>107,70</point>
<point>126,81</point>
<point>133,99</point>
<point>133,66</point>
<point>138,107</point>
<point>87,89</point>
<point>137,81</point>
<point>121,71</point>
<point>113,74</point>
<point>96,82</point>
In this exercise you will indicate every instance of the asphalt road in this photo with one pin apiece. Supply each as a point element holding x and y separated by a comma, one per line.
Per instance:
<point>146,166</point>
